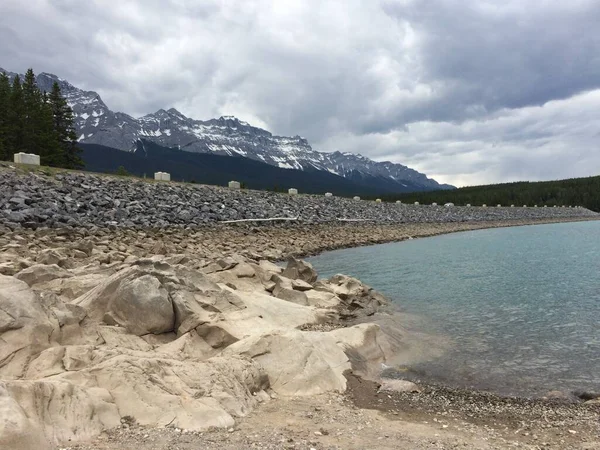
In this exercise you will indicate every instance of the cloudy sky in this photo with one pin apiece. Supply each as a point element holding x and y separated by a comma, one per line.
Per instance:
<point>467,91</point>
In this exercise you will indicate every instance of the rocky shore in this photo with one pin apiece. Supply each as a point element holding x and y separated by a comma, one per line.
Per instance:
<point>129,325</point>
<point>46,198</point>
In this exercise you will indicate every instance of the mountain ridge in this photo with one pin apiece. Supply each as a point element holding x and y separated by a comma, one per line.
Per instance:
<point>96,123</point>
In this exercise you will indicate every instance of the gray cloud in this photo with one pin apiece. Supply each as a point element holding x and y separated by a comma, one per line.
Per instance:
<point>467,91</point>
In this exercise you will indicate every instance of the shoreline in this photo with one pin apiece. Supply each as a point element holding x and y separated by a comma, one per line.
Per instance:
<point>452,228</point>
<point>434,417</point>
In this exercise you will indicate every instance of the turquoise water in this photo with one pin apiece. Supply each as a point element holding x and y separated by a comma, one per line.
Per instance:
<point>520,306</point>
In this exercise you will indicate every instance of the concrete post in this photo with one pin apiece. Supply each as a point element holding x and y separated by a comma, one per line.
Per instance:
<point>27,158</point>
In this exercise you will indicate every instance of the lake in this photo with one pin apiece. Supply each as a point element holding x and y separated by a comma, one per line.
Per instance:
<point>519,306</point>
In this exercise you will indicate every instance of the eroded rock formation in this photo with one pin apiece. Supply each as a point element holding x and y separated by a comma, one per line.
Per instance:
<point>170,340</point>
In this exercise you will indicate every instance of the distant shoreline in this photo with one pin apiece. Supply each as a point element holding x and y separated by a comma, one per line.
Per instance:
<point>403,232</point>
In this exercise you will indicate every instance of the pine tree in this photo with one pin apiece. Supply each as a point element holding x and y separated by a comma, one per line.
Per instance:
<point>32,99</point>
<point>40,135</point>
<point>5,144</point>
<point>16,118</point>
<point>63,126</point>
<point>50,147</point>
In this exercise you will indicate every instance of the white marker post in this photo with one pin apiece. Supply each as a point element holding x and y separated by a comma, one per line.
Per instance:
<point>27,158</point>
<point>162,176</point>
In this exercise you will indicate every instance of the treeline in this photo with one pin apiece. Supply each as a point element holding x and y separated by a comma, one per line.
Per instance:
<point>575,192</point>
<point>33,121</point>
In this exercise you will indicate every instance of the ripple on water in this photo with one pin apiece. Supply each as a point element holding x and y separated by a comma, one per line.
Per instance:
<point>519,304</point>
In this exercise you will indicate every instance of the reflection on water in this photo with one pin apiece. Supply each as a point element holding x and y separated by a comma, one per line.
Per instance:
<point>521,305</point>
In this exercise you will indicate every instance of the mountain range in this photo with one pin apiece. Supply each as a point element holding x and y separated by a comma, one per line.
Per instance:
<point>95,123</point>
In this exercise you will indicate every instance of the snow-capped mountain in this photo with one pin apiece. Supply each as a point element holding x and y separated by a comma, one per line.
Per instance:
<point>96,124</point>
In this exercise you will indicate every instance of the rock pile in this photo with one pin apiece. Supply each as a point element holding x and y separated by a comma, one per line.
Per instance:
<point>35,200</point>
<point>171,341</point>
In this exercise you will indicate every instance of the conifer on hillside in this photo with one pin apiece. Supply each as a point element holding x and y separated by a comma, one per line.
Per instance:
<point>37,122</point>
<point>63,126</point>
<point>4,113</point>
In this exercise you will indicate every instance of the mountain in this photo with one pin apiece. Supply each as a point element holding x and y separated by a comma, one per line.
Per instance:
<point>96,124</point>
<point>209,168</point>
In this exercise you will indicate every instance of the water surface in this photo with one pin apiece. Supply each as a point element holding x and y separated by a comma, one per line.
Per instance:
<point>520,306</point>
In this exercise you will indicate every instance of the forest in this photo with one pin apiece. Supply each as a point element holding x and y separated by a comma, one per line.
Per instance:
<point>33,121</point>
<point>571,192</point>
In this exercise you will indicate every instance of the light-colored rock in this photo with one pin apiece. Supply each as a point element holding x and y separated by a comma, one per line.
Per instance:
<point>297,269</point>
<point>47,363</point>
<point>344,286</point>
<point>165,343</point>
<point>118,337</point>
<point>366,347</point>
<point>290,295</point>
<point>19,305</point>
<point>265,314</point>
<point>50,256</point>
<point>190,345</point>
<point>8,268</point>
<point>322,299</point>
<point>243,270</point>
<point>193,395</point>
<point>17,430</point>
<point>297,362</point>
<point>269,266</point>
<point>41,273</point>
<point>390,385</point>
<point>74,286</point>
<point>142,306</point>
<point>41,414</point>
<point>301,285</point>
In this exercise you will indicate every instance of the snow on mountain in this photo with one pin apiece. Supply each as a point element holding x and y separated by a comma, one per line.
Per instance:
<point>95,123</point>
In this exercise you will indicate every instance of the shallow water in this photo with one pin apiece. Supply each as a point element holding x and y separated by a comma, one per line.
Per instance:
<point>520,306</point>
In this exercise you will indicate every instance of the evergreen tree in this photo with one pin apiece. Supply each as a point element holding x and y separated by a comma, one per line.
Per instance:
<point>39,133</point>
<point>31,107</point>
<point>16,118</point>
<point>5,145</point>
<point>36,122</point>
<point>70,153</point>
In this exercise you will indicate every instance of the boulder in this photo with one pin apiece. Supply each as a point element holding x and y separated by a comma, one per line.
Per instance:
<point>297,269</point>
<point>268,266</point>
<point>50,256</point>
<point>290,295</point>
<point>243,270</point>
<point>322,299</point>
<point>8,268</point>
<point>194,309</point>
<point>297,362</point>
<point>345,286</point>
<point>19,305</point>
<point>142,306</point>
<point>300,285</point>
<point>84,245</point>
<point>41,273</point>
<point>357,299</point>
<point>366,346</point>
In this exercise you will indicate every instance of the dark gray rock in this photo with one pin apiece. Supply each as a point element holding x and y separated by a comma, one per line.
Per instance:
<point>80,200</point>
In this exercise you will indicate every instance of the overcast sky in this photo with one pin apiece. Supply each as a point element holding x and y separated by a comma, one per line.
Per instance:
<point>466,91</point>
